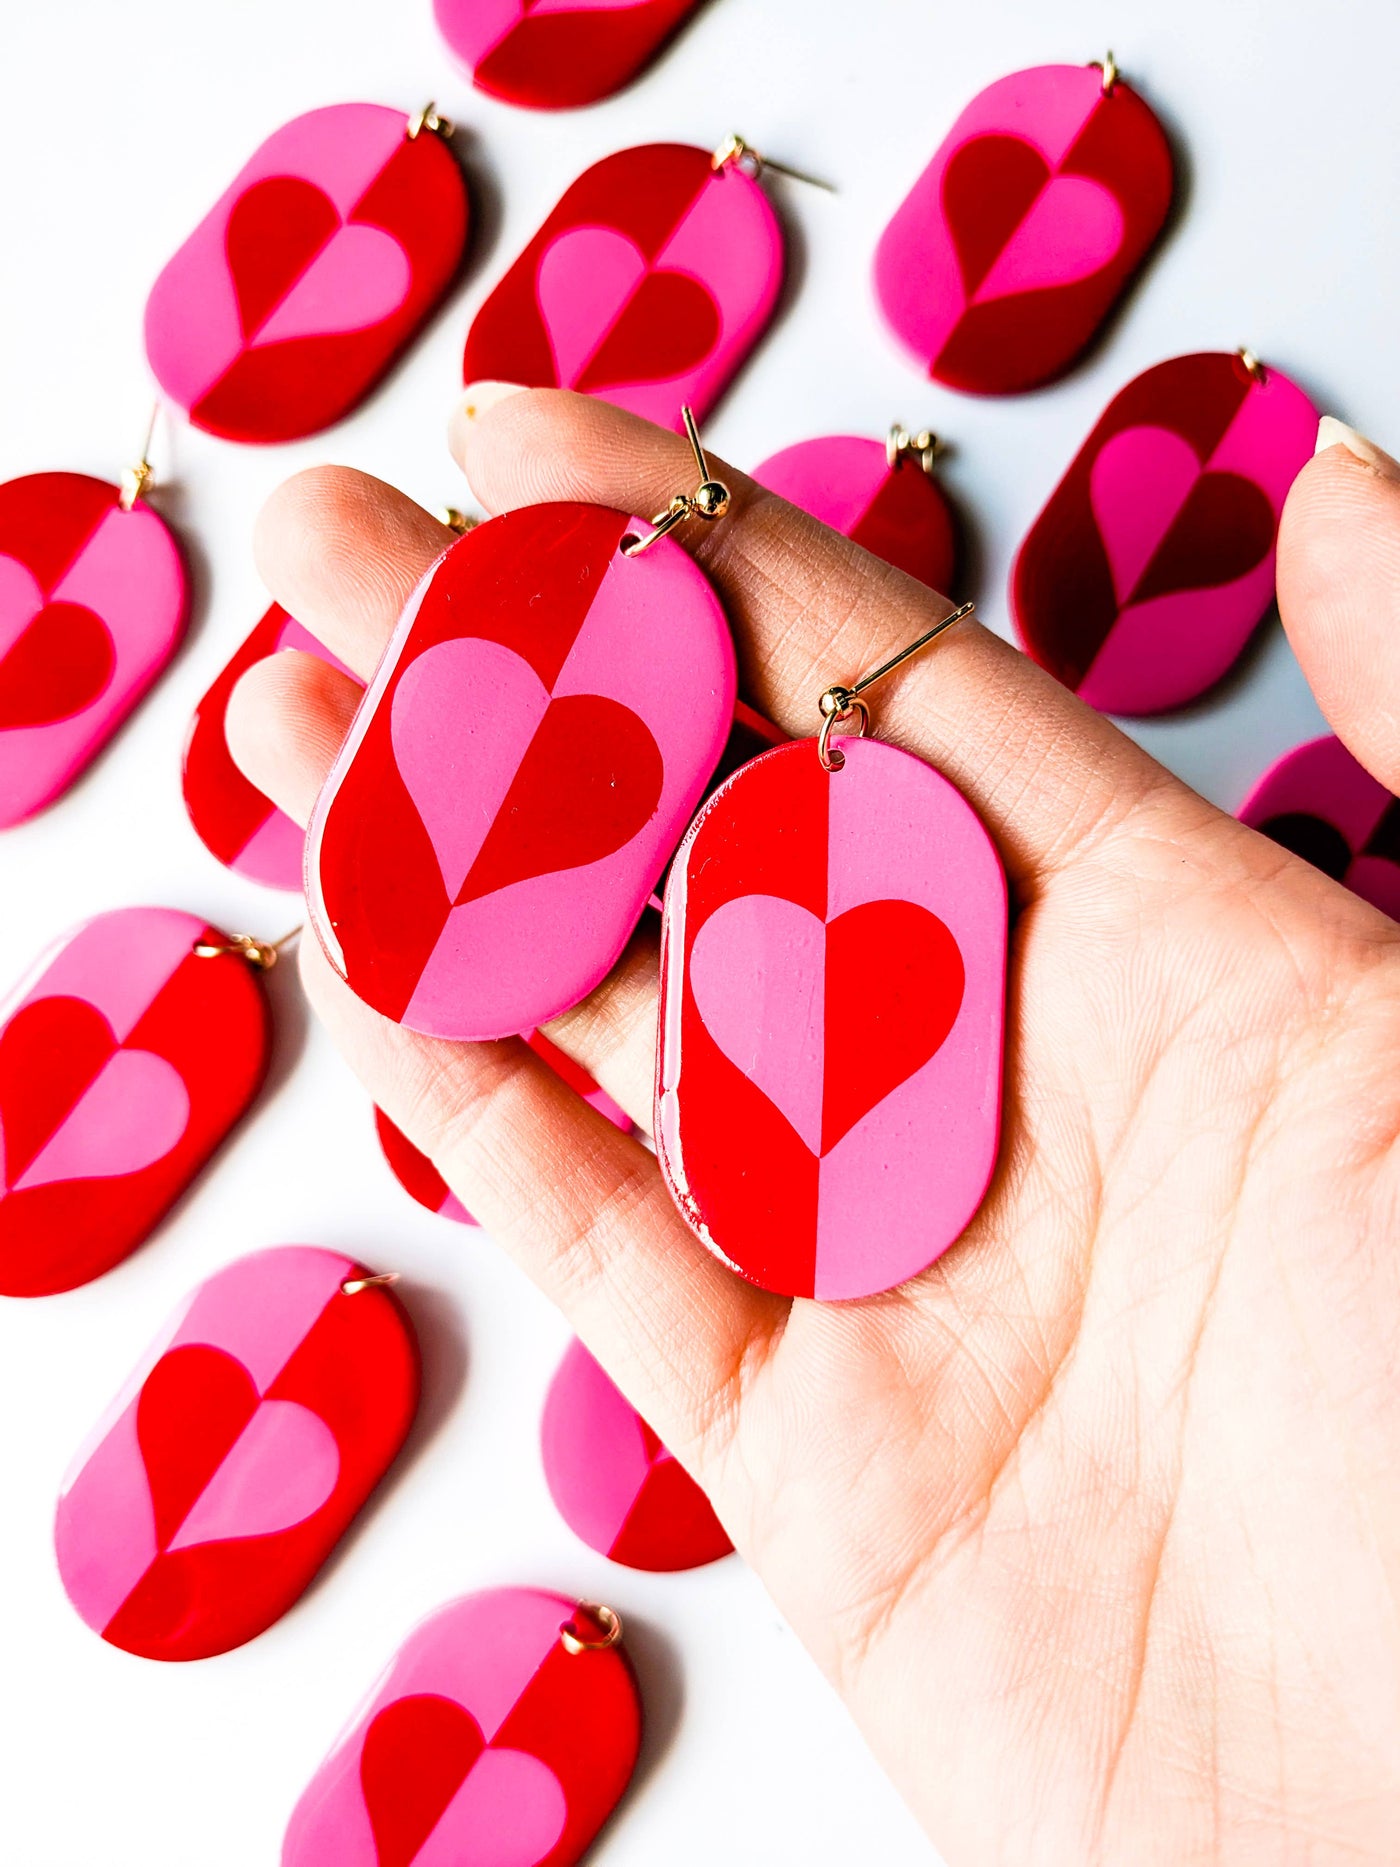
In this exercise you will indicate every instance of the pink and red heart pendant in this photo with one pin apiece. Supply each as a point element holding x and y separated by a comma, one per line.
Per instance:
<point>231,816</point>
<point>419,1178</point>
<point>93,599</point>
<point>647,285</point>
<point>612,1480</point>
<point>307,277</point>
<point>1324,806</point>
<point>125,1059</point>
<point>485,1740</point>
<point>555,54</point>
<point>229,1466</point>
<point>899,512</point>
<point>536,738</point>
<point>1021,234</point>
<point>832,981</point>
<point>1152,563</point>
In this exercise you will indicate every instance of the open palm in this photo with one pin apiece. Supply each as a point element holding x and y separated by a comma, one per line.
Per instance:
<point>1095,1524</point>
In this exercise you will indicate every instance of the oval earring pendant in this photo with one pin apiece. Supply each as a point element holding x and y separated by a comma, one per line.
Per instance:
<point>1022,233</point>
<point>125,1059</point>
<point>233,1460</point>
<point>832,1003</point>
<point>893,508</point>
<point>647,285</point>
<point>487,1739</point>
<point>557,57</point>
<point>537,736</point>
<point>93,600</point>
<point>309,274</point>
<point>1152,562</point>
<point>1318,801</point>
<point>231,817</point>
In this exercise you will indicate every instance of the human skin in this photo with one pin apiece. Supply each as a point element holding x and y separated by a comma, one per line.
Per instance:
<point>1095,1525</point>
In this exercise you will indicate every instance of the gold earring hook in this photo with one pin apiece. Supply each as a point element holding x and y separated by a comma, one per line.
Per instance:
<point>372,1280</point>
<point>457,521</point>
<point>428,119</point>
<point>840,704</point>
<point>923,447</point>
<point>607,1618</point>
<point>1108,65</point>
<point>260,954</point>
<point>136,479</point>
<point>736,153</point>
<point>710,500</point>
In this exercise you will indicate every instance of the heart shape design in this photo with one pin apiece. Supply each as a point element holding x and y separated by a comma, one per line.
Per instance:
<point>769,979</point>
<point>1166,525</point>
<point>554,783</point>
<point>56,658</point>
<point>298,270</point>
<point>75,1105</point>
<point>1016,227</point>
<point>221,1462</point>
<point>612,318</point>
<point>437,1794</point>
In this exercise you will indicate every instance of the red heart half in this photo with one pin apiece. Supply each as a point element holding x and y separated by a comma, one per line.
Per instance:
<point>56,667</point>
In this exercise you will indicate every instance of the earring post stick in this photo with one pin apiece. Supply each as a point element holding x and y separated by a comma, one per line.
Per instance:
<point>912,648</point>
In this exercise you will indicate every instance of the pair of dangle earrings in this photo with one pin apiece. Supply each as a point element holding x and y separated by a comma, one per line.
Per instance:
<point>545,722</point>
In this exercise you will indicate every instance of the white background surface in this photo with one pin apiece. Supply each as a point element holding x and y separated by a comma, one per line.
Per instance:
<point>118,127</point>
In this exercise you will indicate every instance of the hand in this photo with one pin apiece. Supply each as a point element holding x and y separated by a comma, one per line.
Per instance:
<point>1096,1524</point>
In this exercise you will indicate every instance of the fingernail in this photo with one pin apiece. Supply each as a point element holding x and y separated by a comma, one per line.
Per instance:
<point>477,399</point>
<point>1334,433</point>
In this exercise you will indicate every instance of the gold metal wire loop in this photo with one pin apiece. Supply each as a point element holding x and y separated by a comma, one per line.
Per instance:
<point>372,1280</point>
<point>136,479</point>
<point>1251,365</point>
<point>428,119</point>
<point>260,954</point>
<point>1109,67</point>
<point>709,501</point>
<point>607,1618</point>
<point>734,152</point>
<point>458,521</point>
<point>901,445</point>
<point>839,704</point>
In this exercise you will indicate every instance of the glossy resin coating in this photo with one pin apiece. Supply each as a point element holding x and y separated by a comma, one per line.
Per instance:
<point>614,1483</point>
<point>228,1467</point>
<point>1019,237</point>
<point>533,744</point>
<point>647,285</point>
<point>868,901</point>
<point>417,1175</point>
<point>92,603</point>
<point>233,819</point>
<point>1324,806</point>
<point>308,276</point>
<point>484,1743</point>
<point>125,1059</point>
<point>554,54</point>
<point>1152,563</point>
<point>898,512</point>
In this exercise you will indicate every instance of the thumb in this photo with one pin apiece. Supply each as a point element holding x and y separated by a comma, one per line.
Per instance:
<point>1339,591</point>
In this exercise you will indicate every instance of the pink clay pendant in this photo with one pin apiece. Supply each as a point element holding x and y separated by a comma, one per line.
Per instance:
<point>832,983</point>
<point>556,54</point>
<point>647,285</point>
<point>93,599</point>
<point>1022,233</point>
<point>881,494</point>
<point>537,736</point>
<point>502,1734</point>
<point>1324,806</point>
<point>1152,563</point>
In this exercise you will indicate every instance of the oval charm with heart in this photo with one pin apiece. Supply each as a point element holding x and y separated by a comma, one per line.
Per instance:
<point>556,54</point>
<point>93,600</point>
<point>648,284</point>
<point>1321,803</point>
<point>832,983</point>
<point>230,1464</point>
<point>533,743</point>
<point>1152,562</point>
<point>125,1059</point>
<point>309,274</point>
<point>1021,234</point>
<point>485,1739</point>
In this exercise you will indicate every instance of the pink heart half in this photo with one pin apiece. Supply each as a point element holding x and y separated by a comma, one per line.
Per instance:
<point>278,1472</point>
<point>585,279</point>
<point>360,277</point>
<point>1139,482</point>
<point>131,1115</point>
<point>1074,229</point>
<point>509,1812</point>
